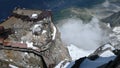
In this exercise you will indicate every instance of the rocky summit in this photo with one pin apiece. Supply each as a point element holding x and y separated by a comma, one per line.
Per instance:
<point>29,39</point>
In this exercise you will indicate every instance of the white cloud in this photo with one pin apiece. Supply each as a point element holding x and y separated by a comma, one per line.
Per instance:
<point>86,36</point>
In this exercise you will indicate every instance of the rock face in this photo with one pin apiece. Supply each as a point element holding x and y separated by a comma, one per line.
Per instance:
<point>114,19</point>
<point>34,43</point>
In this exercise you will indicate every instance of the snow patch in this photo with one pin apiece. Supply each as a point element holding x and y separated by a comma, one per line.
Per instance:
<point>116,29</point>
<point>11,60</point>
<point>44,31</point>
<point>107,54</point>
<point>26,53</point>
<point>54,32</point>
<point>34,16</point>
<point>37,28</point>
<point>77,53</point>
<point>108,46</point>
<point>12,66</point>
<point>30,45</point>
<point>108,25</point>
<point>60,65</point>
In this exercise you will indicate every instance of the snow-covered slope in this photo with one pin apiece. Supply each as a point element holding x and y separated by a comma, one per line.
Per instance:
<point>77,53</point>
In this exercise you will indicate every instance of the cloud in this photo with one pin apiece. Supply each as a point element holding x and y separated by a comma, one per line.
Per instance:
<point>86,36</point>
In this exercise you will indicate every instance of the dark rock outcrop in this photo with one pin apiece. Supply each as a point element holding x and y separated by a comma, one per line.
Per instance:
<point>113,19</point>
<point>78,62</point>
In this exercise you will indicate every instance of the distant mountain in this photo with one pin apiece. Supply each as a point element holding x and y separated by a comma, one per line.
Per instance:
<point>7,6</point>
<point>114,1</point>
<point>113,19</point>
